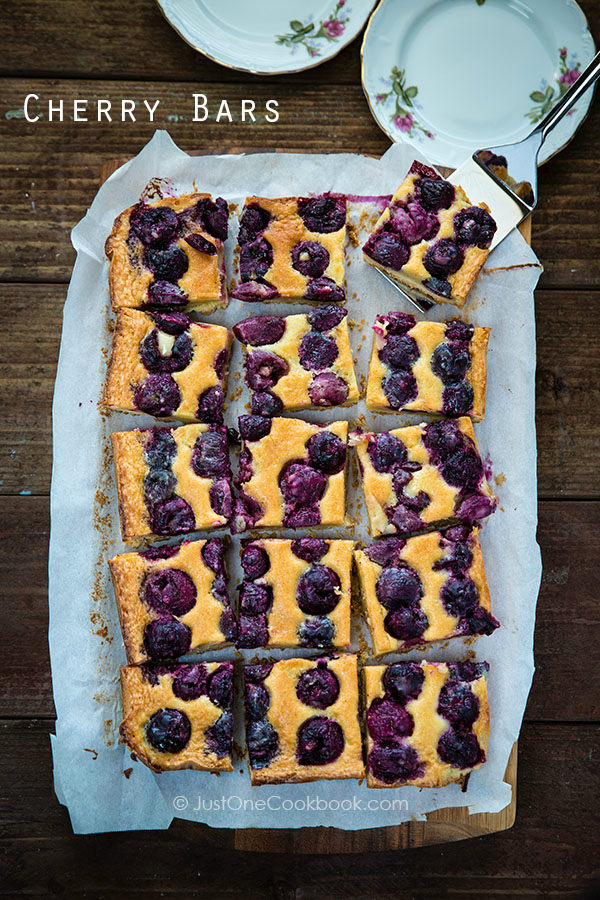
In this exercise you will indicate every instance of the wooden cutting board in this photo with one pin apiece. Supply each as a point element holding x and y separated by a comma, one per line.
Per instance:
<point>441,826</point>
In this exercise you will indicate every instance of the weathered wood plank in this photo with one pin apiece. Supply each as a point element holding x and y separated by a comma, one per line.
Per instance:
<point>568,611</point>
<point>110,39</point>
<point>557,775</point>
<point>58,164</point>
<point>567,397</point>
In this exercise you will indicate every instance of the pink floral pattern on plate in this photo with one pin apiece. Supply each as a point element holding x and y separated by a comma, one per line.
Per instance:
<point>307,34</point>
<point>400,98</point>
<point>547,95</point>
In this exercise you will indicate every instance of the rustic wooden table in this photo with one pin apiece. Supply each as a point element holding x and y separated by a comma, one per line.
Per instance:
<point>48,176</point>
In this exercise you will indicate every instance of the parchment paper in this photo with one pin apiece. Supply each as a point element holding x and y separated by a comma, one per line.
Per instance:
<point>94,775</point>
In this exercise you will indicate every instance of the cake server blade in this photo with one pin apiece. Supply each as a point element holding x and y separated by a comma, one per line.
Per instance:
<point>479,176</point>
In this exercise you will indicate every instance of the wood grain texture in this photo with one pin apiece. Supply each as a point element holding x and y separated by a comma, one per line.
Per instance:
<point>548,852</point>
<point>568,428</point>
<point>568,611</point>
<point>57,175</point>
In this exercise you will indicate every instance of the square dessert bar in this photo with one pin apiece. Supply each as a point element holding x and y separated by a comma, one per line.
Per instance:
<point>295,593</point>
<point>173,599</point>
<point>427,725</point>
<point>431,367</point>
<point>292,247</point>
<point>430,237</point>
<point>302,720</point>
<point>172,480</point>
<point>298,362</point>
<point>179,716</point>
<point>423,476</point>
<point>291,473</point>
<point>165,365</point>
<point>425,588</point>
<point>169,254</point>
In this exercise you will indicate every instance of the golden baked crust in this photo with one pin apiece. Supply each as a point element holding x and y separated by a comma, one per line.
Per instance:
<point>415,757</point>
<point>284,231</point>
<point>285,622</point>
<point>189,508</point>
<point>138,576</point>
<point>286,714</point>
<point>428,336</point>
<point>263,464</point>
<point>299,385</point>
<point>432,560</point>
<point>129,278</point>
<point>455,287</point>
<point>146,691</point>
<point>427,500</point>
<point>210,346</point>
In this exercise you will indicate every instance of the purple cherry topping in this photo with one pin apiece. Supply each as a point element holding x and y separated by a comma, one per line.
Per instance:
<point>319,590</point>
<point>254,428</point>
<point>264,403</point>
<point>169,264</point>
<point>201,244</point>
<point>264,369</point>
<point>255,561</point>
<point>397,322</point>
<point>450,363</point>
<point>210,457</point>
<point>256,259</point>
<point>210,406</point>
<point>171,322</point>
<point>474,225</point>
<point>400,388</point>
<point>160,448</point>
<point>387,720</point>
<point>153,224</point>
<point>253,631</point>
<point>190,681</point>
<point>435,193</point>
<point>328,389</point>
<point>458,704</point>
<point>255,598</point>
<point>310,258</point>
<point>257,672</point>
<point>309,549</point>
<point>213,555</point>
<point>164,293</point>
<point>174,516</point>
<point>263,743</point>
<point>324,214</point>
<point>403,681</point>
<point>158,395</point>
<point>460,596</point>
<point>220,686</point>
<point>219,737</point>
<point>317,352</point>
<point>326,318</point>
<point>179,357</point>
<point>170,591</point>
<point>457,399</point>
<point>413,223</point>
<point>443,258</point>
<point>324,290</point>
<point>406,624</point>
<point>460,749</point>
<point>320,741</point>
<point>399,352</point>
<point>166,638</point>
<point>388,249</point>
<point>398,587</point>
<point>214,215</point>
<point>386,551</point>
<point>385,450</point>
<point>316,632</point>
<point>221,497</point>
<point>302,484</point>
<point>256,701</point>
<point>254,292</point>
<point>168,731</point>
<point>469,670</point>
<point>318,687</point>
<point>327,452</point>
<point>391,762</point>
<point>253,221</point>
<point>260,330</point>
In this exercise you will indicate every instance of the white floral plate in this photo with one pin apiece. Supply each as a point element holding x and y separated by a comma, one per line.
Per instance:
<point>453,76</point>
<point>267,37</point>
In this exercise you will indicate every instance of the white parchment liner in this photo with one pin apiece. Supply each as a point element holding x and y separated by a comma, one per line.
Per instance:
<point>94,775</point>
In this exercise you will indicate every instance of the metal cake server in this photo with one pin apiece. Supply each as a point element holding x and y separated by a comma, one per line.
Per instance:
<point>482,184</point>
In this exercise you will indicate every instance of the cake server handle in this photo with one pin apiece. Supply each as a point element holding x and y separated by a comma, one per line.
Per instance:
<point>587,78</point>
